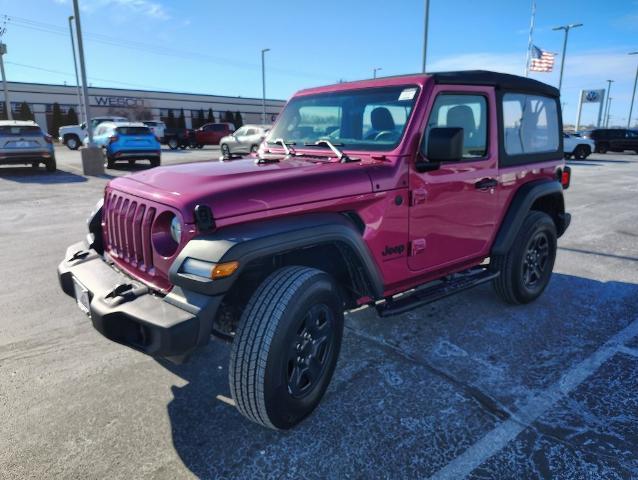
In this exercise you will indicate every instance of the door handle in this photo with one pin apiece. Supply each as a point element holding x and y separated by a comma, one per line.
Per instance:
<point>486,184</point>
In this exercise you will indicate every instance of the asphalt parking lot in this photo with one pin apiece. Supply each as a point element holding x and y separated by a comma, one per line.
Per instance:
<point>464,387</point>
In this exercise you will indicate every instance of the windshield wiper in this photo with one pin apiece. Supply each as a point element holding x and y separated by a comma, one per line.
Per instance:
<point>343,158</point>
<point>284,145</point>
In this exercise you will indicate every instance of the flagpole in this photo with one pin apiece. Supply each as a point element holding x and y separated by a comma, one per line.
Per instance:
<point>531,34</point>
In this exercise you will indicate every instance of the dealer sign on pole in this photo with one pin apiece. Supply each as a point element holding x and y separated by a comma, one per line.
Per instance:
<point>590,96</point>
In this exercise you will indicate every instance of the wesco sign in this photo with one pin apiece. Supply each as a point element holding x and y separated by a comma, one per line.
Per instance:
<point>119,101</point>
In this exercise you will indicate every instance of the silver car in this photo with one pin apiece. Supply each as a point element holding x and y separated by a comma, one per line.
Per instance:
<point>246,139</point>
<point>24,142</point>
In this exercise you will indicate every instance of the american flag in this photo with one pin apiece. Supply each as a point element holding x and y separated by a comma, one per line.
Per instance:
<point>541,61</point>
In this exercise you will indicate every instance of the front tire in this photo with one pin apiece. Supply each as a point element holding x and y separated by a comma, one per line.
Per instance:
<point>602,148</point>
<point>155,162</point>
<point>527,268</point>
<point>72,142</point>
<point>286,347</point>
<point>225,150</point>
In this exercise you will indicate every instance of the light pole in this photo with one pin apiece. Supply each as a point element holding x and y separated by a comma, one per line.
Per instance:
<point>75,66</point>
<point>7,102</point>
<point>263,86</point>
<point>425,33</point>
<point>92,159</point>
<point>609,99</point>
<point>375,70</point>
<point>609,82</point>
<point>633,95</point>
<point>562,61</point>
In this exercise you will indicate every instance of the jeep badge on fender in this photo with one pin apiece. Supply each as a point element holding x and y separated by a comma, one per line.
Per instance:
<point>267,252</point>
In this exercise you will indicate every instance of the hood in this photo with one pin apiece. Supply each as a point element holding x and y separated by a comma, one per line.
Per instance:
<point>243,186</point>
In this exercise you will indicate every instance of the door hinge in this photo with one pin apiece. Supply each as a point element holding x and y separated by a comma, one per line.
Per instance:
<point>418,196</point>
<point>417,246</point>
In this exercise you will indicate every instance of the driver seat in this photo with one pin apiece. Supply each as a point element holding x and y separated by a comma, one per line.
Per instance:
<point>381,120</point>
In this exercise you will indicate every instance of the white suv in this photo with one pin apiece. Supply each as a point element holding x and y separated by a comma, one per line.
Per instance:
<point>157,127</point>
<point>73,135</point>
<point>578,147</point>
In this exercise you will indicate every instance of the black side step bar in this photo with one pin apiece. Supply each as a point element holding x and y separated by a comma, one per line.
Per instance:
<point>453,284</point>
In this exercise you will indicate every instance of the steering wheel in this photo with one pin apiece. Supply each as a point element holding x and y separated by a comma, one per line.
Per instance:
<point>391,134</point>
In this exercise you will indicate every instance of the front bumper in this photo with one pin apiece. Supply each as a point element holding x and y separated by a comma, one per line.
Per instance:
<point>128,312</point>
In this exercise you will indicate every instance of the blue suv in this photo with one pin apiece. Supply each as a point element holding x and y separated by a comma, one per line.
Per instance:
<point>127,141</point>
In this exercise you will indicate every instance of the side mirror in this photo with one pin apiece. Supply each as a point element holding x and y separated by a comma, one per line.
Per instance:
<point>445,144</point>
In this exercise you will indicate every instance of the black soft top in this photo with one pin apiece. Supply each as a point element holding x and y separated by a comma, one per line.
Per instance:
<point>504,81</point>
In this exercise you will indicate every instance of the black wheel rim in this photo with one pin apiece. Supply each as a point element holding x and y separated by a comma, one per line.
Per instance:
<point>535,260</point>
<point>310,351</point>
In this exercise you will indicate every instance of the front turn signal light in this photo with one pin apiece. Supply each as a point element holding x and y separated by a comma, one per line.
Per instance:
<point>223,270</point>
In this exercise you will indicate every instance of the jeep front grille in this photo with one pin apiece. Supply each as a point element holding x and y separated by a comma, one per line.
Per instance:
<point>127,237</point>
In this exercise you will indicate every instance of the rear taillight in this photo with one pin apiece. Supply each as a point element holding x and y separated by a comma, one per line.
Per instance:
<point>565,177</point>
<point>48,138</point>
<point>113,139</point>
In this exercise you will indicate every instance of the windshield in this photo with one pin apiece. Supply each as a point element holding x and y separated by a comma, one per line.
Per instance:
<point>368,119</point>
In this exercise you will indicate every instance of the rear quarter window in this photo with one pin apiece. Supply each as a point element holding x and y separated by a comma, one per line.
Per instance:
<point>530,124</point>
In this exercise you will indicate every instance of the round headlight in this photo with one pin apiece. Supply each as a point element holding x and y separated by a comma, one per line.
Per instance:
<point>176,230</point>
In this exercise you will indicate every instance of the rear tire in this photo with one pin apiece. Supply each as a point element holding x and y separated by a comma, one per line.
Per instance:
<point>173,144</point>
<point>286,347</point>
<point>108,161</point>
<point>527,268</point>
<point>602,148</point>
<point>155,162</point>
<point>131,162</point>
<point>51,165</point>
<point>582,152</point>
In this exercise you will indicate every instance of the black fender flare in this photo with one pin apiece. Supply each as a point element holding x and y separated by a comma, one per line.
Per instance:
<point>266,238</point>
<point>520,206</point>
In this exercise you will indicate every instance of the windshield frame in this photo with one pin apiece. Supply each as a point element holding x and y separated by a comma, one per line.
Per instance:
<point>363,148</point>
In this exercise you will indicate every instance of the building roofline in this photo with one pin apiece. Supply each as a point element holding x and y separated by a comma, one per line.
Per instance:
<point>146,91</point>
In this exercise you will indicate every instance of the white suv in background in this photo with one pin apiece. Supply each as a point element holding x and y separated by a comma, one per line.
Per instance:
<point>157,127</point>
<point>578,147</point>
<point>73,135</point>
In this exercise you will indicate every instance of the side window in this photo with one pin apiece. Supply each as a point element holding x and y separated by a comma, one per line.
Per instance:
<point>530,124</point>
<point>632,134</point>
<point>251,131</point>
<point>240,132</point>
<point>468,112</point>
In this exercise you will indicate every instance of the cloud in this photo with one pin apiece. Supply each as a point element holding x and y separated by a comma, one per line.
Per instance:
<point>143,7</point>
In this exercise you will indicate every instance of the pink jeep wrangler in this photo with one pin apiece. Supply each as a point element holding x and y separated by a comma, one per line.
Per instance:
<point>420,185</point>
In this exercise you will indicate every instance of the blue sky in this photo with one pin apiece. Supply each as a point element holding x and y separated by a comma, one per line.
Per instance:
<point>214,46</point>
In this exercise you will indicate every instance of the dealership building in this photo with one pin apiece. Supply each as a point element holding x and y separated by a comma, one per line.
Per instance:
<point>135,104</point>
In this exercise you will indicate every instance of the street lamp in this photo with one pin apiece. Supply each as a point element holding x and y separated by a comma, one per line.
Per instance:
<point>375,70</point>
<point>263,86</point>
<point>609,99</point>
<point>633,95</point>
<point>562,61</point>
<point>75,66</point>
<point>609,82</point>
<point>425,33</point>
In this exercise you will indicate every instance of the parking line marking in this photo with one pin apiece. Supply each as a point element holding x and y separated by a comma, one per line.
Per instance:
<point>496,439</point>
<point>629,351</point>
<point>226,400</point>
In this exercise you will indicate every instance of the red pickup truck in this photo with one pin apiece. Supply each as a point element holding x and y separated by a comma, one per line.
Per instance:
<point>212,133</point>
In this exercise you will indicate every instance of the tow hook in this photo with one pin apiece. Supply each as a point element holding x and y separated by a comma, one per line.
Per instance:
<point>125,292</point>
<point>79,255</point>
